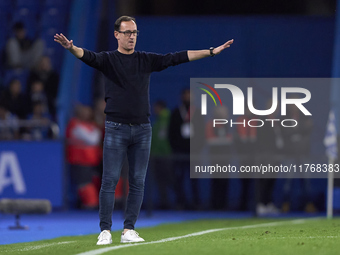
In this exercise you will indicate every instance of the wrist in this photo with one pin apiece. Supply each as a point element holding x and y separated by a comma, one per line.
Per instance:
<point>211,51</point>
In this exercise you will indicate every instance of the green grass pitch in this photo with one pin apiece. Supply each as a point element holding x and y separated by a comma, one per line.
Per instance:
<point>250,236</point>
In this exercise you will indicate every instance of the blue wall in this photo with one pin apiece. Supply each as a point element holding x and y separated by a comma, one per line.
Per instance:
<point>76,77</point>
<point>32,170</point>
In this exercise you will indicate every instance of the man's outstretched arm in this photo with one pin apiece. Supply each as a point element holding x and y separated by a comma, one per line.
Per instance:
<point>76,51</point>
<point>198,54</point>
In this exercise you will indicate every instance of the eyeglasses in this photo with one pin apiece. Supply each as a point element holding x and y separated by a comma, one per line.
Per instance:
<point>128,33</point>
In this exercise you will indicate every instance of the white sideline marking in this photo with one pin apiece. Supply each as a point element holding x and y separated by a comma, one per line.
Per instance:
<point>271,224</point>
<point>37,247</point>
<point>301,237</point>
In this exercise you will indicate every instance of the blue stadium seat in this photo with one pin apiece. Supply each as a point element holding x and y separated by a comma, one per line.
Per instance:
<point>4,24</point>
<point>21,75</point>
<point>48,36</point>
<point>53,49</point>
<point>53,17</point>
<point>6,6</point>
<point>56,54</point>
<point>5,17</point>
<point>58,3</point>
<point>24,13</point>
<point>32,5</point>
<point>24,3</point>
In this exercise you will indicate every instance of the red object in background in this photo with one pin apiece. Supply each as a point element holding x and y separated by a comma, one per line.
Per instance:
<point>88,195</point>
<point>122,188</point>
<point>78,151</point>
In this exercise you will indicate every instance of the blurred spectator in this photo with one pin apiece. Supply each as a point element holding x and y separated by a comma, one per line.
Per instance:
<point>246,142</point>
<point>9,129</point>
<point>84,154</point>
<point>180,132</point>
<point>14,100</point>
<point>41,129</point>
<point>160,152</point>
<point>270,145</point>
<point>21,51</point>
<point>219,140</point>
<point>37,94</point>
<point>44,72</point>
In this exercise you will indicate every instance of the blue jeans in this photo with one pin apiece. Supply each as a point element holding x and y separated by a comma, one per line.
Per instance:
<point>121,140</point>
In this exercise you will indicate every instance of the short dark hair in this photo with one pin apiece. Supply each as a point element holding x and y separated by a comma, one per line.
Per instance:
<point>18,26</point>
<point>121,19</point>
<point>185,90</point>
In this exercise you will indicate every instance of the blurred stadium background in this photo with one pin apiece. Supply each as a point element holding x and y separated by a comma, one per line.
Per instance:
<point>280,39</point>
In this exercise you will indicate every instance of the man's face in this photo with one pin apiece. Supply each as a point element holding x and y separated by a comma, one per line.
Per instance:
<point>20,33</point>
<point>15,87</point>
<point>157,109</point>
<point>125,42</point>
<point>186,97</point>
<point>45,64</point>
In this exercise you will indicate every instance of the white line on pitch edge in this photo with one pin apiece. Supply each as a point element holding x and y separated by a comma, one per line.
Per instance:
<point>40,246</point>
<point>271,224</point>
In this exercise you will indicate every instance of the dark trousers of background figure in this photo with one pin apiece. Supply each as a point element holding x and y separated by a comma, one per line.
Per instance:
<point>84,186</point>
<point>305,196</point>
<point>264,190</point>
<point>219,194</point>
<point>182,178</point>
<point>162,172</point>
<point>303,183</point>
<point>247,187</point>
<point>264,187</point>
<point>247,201</point>
<point>219,188</point>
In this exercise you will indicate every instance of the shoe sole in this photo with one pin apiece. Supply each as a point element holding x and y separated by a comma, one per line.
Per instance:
<point>104,243</point>
<point>131,241</point>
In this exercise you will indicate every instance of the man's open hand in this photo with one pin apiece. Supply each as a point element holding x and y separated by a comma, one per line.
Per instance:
<point>219,49</point>
<point>198,54</point>
<point>60,38</point>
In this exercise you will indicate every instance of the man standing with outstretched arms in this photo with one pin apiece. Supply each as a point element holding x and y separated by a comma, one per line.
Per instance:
<point>127,126</point>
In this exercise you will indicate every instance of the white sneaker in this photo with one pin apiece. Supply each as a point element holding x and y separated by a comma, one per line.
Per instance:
<point>104,238</point>
<point>261,209</point>
<point>131,236</point>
